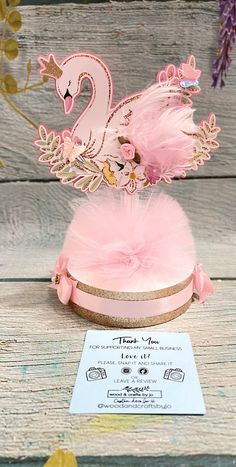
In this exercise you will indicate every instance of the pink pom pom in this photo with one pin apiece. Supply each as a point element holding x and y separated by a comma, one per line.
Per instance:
<point>161,129</point>
<point>128,244</point>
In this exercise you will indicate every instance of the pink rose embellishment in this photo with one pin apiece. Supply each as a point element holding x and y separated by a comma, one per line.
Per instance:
<point>61,282</point>
<point>128,151</point>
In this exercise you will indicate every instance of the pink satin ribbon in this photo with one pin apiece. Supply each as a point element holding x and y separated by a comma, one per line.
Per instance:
<point>131,308</point>
<point>200,285</point>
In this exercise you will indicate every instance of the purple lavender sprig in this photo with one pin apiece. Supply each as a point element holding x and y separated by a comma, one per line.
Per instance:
<point>226,40</point>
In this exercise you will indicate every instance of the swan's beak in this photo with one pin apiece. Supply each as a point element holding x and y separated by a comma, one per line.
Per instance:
<point>68,102</point>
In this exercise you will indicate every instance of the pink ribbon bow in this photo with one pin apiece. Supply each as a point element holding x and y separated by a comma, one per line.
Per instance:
<point>61,282</point>
<point>202,285</point>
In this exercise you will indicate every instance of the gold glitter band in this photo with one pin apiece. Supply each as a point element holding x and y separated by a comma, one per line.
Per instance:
<point>120,322</point>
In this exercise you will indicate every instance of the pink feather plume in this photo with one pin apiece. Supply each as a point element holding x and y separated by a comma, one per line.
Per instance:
<point>129,244</point>
<point>161,129</point>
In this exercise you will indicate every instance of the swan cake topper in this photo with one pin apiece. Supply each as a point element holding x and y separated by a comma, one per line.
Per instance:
<point>148,137</point>
<point>138,266</point>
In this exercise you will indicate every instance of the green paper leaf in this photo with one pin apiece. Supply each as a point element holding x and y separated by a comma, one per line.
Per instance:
<point>94,185</point>
<point>10,84</point>
<point>64,172</point>
<point>67,176</point>
<point>41,143</point>
<point>28,68</point>
<point>58,167</point>
<point>14,21</point>
<point>84,182</point>
<point>11,49</point>
<point>55,143</point>
<point>46,156</point>
<point>42,132</point>
<point>3,9</point>
<point>58,152</point>
<point>50,137</point>
<point>45,78</point>
<point>91,165</point>
<point>14,2</point>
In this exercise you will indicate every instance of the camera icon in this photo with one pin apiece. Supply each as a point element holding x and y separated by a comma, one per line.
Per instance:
<point>93,374</point>
<point>174,374</point>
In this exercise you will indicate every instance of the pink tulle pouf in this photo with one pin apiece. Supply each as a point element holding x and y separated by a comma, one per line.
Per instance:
<point>128,261</point>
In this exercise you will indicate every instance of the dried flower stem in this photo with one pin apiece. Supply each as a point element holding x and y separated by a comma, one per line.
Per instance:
<point>4,27</point>
<point>18,111</point>
<point>226,40</point>
<point>27,88</point>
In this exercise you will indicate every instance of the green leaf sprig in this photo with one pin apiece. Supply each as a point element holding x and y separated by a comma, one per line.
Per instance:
<point>11,22</point>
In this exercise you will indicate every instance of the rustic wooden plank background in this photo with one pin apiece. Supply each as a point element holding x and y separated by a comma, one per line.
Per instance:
<point>40,354</point>
<point>136,39</point>
<point>40,340</point>
<point>35,216</point>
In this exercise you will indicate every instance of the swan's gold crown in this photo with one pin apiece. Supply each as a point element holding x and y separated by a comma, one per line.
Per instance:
<point>50,67</point>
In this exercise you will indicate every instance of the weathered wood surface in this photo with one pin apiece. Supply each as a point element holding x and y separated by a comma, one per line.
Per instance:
<point>131,461</point>
<point>34,218</point>
<point>144,461</point>
<point>136,39</point>
<point>40,345</point>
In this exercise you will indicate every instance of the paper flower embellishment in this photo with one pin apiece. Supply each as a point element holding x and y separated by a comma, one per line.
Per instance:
<point>185,76</point>
<point>133,177</point>
<point>190,76</point>
<point>146,138</point>
<point>127,151</point>
<point>190,72</point>
<point>72,147</point>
